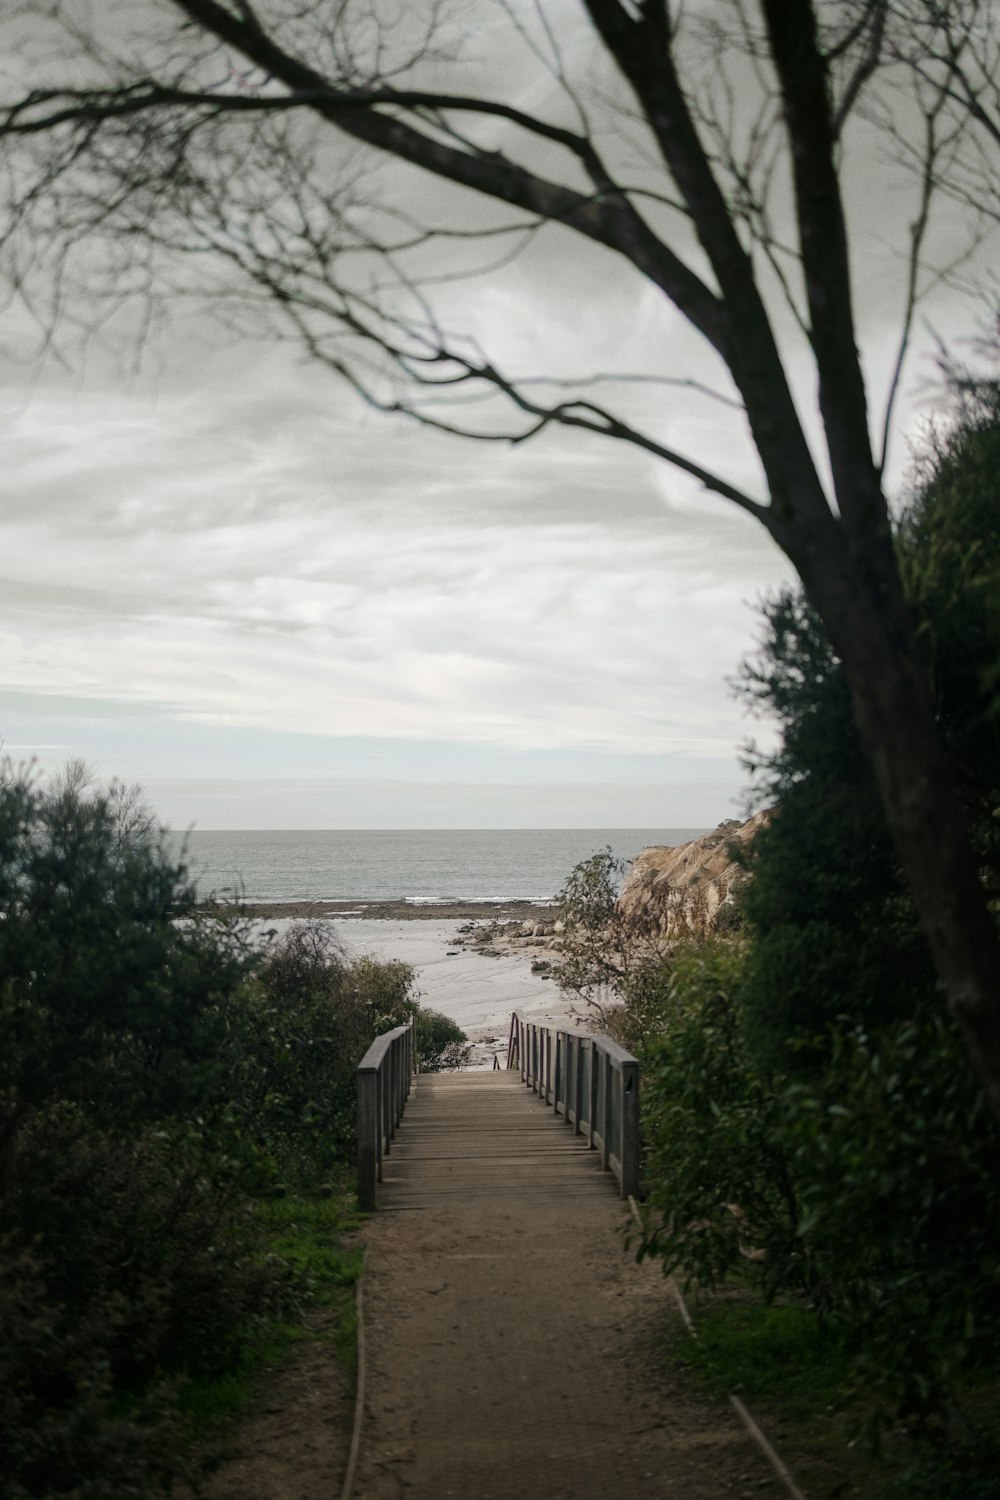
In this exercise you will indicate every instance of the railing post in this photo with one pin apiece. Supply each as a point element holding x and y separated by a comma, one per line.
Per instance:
<point>592,1081</point>
<point>557,1049</point>
<point>368,1125</point>
<point>630,1129</point>
<point>569,1055</point>
<point>384,1075</point>
<point>393,1091</point>
<point>606,1111</point>
<point>577,1085</point>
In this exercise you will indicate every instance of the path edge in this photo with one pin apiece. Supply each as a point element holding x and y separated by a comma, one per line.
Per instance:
<point>359,1389</point>
<point>750,1425</point>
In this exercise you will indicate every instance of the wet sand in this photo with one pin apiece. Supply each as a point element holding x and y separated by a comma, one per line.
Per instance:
<point>392,911</point>
<point>476,990</point>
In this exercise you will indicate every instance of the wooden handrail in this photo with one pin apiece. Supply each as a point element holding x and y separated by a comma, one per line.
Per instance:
<point>592,1082</point>
<point>384,1076</point>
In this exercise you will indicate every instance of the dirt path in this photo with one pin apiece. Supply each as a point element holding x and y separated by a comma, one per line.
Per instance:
<point>292,1441</point>
<point>507,1330</point>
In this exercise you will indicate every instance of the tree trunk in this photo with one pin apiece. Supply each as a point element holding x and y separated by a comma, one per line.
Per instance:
<point>875,641</point>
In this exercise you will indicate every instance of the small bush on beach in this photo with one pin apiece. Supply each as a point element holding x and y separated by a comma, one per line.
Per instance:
<point>442,1045</point>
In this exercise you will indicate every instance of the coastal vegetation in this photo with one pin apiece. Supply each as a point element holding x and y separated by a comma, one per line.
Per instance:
<point>811,1124</point>
<point>176,1121</point>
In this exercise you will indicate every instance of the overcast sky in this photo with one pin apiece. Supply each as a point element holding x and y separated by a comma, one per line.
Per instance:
<point>224,579</point>
<point>276,610</point>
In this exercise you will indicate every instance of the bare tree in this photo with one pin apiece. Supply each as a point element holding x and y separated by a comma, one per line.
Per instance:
<point>710,151</point>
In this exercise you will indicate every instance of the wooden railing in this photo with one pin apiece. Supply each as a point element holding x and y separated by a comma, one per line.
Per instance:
<point>384,1076</point>
<point>592,1082</point>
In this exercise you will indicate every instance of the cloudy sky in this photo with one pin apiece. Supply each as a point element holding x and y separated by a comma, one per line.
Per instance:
<point>277,610</point>
<point>225,579</point>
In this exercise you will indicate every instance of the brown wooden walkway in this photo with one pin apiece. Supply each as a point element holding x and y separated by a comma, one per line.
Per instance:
<point>508,1331</point>
<point>485,1137</point>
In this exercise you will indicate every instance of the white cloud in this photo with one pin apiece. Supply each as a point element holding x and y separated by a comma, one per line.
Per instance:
<point>258,559</point>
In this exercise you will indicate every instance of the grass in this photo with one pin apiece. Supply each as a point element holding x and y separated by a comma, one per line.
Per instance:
<point>777,1351</point>
<point>794,1374</point>
<point>306,1233</point>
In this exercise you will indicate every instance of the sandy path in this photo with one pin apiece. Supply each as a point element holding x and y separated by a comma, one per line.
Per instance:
<point>507,1328</point>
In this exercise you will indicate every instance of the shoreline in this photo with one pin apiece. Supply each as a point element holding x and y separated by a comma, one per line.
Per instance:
<point>477,984</point>
<point>387,911</point>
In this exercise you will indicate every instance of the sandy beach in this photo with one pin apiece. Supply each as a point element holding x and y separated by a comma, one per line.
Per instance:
<point>478,992</point>
<point>400,911</point>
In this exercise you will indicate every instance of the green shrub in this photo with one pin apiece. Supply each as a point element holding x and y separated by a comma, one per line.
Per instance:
<point>127,1257</point>
<point>113,987</point>
<point>304,1026</point>
<point>720,1188</point>
<point>442,1045</point>
<point>895,1160</point>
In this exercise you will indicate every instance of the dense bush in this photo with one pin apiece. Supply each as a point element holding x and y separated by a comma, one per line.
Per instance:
<point>833,932</point>
<point>159,1071</point>
<point>809,1099</point>
<point>126,1259</point>
<point>719,1169</point>
<point>442,1045</point>
<point>114,988</point>
<point>895,1152</point>
<point>306,1022</point>
<point>867,1185</point>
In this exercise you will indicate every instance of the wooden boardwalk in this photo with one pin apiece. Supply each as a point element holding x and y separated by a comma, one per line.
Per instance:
<point>506,1324</point>
<point>485,1137</point>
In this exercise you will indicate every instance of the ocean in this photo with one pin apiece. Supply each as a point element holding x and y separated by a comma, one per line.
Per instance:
<point>405,864</point>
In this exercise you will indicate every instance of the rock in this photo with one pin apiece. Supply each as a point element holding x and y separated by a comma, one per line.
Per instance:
<point>680,892</point>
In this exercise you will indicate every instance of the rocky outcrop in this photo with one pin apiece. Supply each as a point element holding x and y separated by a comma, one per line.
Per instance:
<point>685,891</point>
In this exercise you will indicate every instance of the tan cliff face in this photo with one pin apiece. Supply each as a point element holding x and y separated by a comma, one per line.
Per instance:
<point>680,892</point>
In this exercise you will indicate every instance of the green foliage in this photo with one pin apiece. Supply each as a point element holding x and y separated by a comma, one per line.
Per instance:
<point>442,1045</point>
<point>949,548</point>
<point>300,1033</point>
<point>113,987</point>
<point>819,1088</point>
<point>895,1159</point>
<point>969,1472</point>
<point>833,931</point>
<point>127,1257</point>
<point>597,949</point>
<point>305,1234</point>
<point>647,1003</point>
<point>780,1351</point>
<point>383,988</point>
<point>306,1023</point>
<point>158,1073</point>
<point>721,1192</point>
